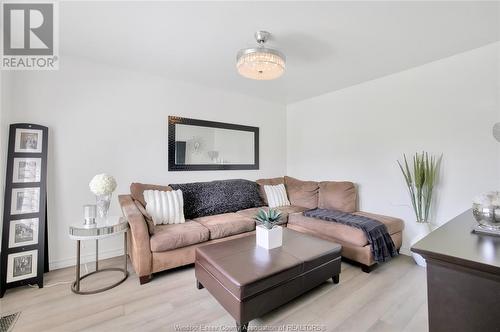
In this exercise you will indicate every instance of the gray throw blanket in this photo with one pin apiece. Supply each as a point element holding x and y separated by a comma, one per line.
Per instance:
<point>382,246</point>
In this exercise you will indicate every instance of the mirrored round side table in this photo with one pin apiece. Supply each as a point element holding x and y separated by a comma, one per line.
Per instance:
<point>103,228</point>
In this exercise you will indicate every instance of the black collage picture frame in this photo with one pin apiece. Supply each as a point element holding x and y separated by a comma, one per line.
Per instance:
<point>24,239</point>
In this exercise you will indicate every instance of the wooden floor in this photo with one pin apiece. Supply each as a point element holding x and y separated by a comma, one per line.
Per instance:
<point>391,298</point>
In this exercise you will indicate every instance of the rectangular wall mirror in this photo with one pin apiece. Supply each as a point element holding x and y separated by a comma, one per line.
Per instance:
<point>197,145</point>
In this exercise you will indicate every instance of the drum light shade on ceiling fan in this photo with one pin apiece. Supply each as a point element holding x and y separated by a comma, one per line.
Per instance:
<point>260,63</point>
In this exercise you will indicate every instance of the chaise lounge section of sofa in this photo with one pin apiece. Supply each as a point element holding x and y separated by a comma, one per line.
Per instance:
<point>155,248</point>
<point>340,196</point>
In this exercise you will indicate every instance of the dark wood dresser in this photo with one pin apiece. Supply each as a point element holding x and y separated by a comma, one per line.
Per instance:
<point>463,277</point>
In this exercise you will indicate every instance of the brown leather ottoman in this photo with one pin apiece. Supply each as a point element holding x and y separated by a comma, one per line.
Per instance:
<point>249,281</point>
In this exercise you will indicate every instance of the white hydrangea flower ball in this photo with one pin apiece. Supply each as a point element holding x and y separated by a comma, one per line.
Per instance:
<point>102,184</point>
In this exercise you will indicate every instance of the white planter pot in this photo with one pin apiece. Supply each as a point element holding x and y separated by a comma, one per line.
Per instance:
<point>269,238</point>
<point>419,259</point>
<point>423,230</point>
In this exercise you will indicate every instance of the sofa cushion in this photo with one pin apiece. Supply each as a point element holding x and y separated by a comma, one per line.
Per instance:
<point>165,207</point>
<point>292,209</point>
<point>226,224</point>
<point>337,196</point>
<point>137,190</point>
<point>268,182</point>
<point>341,232</point>
<point>276,196</point>
<point>285,211</point>
<point>218,197</point>
<point>302,193</point>
<point>394,225</point>
<point>328,229</point>
<point>172,236</point>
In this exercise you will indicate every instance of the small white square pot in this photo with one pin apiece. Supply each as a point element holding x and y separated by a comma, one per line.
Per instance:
<point>269,238</point>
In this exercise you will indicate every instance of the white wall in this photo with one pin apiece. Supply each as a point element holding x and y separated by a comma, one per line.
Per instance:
<point>103,119</point>
<point>448,106</point>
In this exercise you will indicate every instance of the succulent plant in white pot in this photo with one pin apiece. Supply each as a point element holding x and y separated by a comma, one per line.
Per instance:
<point>102,186</point>
<point>268,234</point>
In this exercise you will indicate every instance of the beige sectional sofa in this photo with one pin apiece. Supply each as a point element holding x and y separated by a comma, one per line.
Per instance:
<point>157,248</point>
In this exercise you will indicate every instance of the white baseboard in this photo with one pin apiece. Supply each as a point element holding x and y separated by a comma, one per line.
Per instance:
<point>405,251</point>
<point>86,258</point>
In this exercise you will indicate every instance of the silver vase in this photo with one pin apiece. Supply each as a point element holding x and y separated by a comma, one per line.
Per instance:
<point>488,216</point>
<point>102,202</point>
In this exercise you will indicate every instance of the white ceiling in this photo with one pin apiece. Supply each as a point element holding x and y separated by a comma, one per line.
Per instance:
<point>329,45</point>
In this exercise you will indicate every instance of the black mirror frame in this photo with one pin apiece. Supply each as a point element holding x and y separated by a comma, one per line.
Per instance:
<point>172,166</point>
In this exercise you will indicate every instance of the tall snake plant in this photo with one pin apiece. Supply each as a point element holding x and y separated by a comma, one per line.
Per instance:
<point>420,179</point>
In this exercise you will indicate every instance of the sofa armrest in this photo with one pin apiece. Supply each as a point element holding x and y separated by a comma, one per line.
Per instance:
<point>138,239</point>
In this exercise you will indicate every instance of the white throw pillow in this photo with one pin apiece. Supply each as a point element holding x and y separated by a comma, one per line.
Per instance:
<point>276,196</point>
<point>165,207</point>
